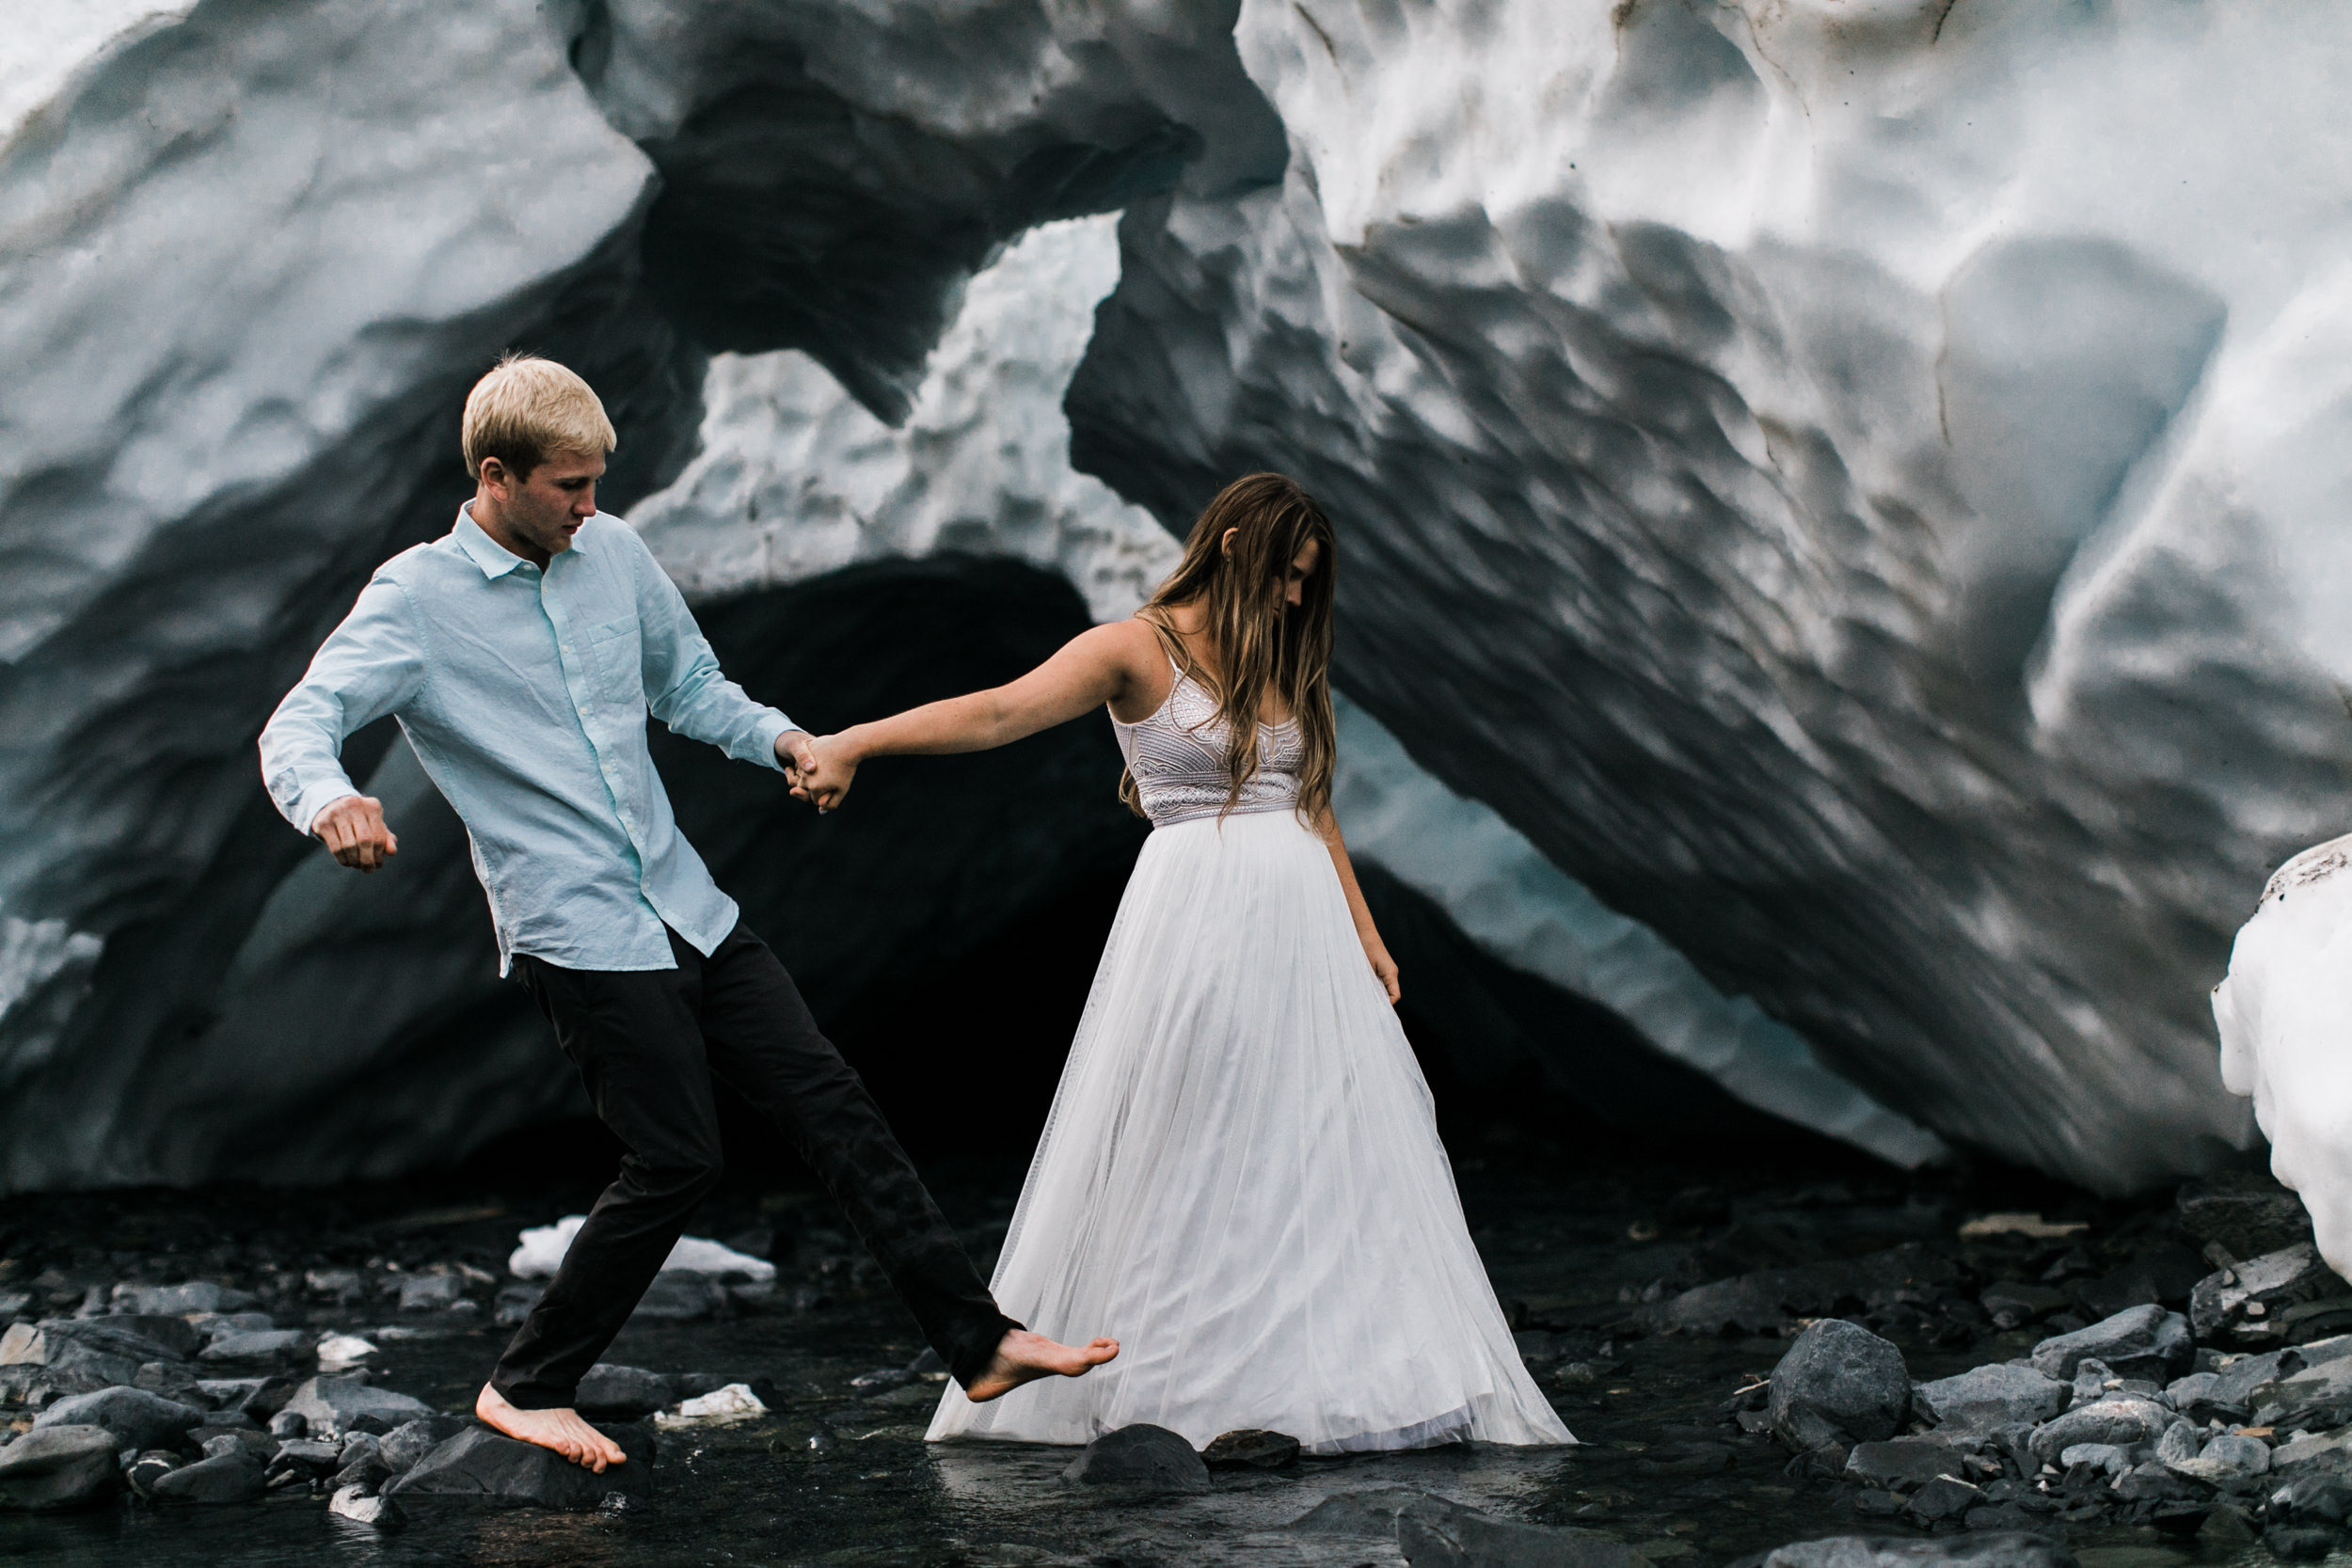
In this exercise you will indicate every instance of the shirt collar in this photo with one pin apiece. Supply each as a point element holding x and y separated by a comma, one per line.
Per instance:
<point>494,559</point>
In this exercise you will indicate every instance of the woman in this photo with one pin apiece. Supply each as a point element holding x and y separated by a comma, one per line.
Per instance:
<point>1241,1178</point>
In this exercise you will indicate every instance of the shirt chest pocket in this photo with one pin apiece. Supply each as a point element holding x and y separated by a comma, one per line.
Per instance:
<point>616,651</point>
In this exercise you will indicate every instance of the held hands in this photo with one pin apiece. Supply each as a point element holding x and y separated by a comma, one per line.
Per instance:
<point>353,828</point>
<point>821,776</point>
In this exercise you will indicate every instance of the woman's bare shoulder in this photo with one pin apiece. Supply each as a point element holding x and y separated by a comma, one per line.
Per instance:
<point>1136,644</point>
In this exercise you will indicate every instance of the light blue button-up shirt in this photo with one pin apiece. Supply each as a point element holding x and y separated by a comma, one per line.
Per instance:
<point>524,693</point>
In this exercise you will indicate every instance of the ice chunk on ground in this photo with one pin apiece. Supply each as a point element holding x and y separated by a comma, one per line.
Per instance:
<point>542,1248</point>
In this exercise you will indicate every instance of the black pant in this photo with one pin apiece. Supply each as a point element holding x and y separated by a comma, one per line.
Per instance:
<point>648,1044</point>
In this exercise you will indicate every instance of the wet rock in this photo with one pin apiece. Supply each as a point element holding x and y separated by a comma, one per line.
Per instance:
<point>1466,1539</point>
<point>2323,1499</point>
<point>227,1477</point>
<point>361,1462</point>
<point>2196,1397</point>
<point>514,1304</point>
<point>146,1466</point>
<point>2246,1215</point>
<point>81,1355</point>
<point>2166,1276</point>
<point>678,1298</point>
<point>2260,1302</point>
<point>1839,1383</point>
<point>138,1420</point>
<point>2333,1449</point>
<point>430,1292</point>
<point>613,1393</point>
<point>362,1506</point>
<point>1761,1301</point>
<point>2225,1460</point>
<point>2140,1341</point>
<point>1973,1550</point>
<point>1372,1515</point>
<point>484,1467</point>
<point>331,1405</point>
<point>1901,1464</point>
<point>2299,1542</point>
<point>401,1447</point>
<point>2012,1304</point>
<point>194,1295</point>
<point>2106,1458</point>
<point>175,1339</point>
<point>267,1347</point>
<point>340,1352</point>
<point>306,1456</point>
<point>252,1445</point>
<point>1251,1448</point>
<point>883,1380</point>
<point>2314,1398</point>
<point>56,1467</point>
<point>2122,1419</point>
<point>1944,1498</point>
<point>341,1286</point>
<point>2180,1440</point>
<point>1141,1455</point>
<point>287,1424</point>
<point>1993,1396</point>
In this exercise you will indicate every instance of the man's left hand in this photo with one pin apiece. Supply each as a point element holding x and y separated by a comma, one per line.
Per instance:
<point>797,755</point>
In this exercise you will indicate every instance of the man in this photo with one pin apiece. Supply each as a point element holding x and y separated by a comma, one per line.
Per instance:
<point>521,653</point>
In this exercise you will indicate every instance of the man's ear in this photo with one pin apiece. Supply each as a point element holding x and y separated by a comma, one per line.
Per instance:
<point>493,474</point>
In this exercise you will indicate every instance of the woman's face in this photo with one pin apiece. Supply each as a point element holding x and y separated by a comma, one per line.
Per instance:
<point>1302,567</point>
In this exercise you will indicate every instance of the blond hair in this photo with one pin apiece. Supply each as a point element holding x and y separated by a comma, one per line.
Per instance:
<point>1263,643</point>
<point>529,409</point>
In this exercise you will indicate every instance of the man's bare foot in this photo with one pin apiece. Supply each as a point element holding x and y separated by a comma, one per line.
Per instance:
<point>1024,1358</point>
<point>560,1430</point>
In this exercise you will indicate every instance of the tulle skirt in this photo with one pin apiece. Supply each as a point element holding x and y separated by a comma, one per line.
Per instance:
<point>1241,1181</point>
<point>2285,1016</point>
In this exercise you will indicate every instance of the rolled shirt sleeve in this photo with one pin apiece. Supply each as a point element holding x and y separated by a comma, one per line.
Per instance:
<point>372,665</point>
<point>685,688</point>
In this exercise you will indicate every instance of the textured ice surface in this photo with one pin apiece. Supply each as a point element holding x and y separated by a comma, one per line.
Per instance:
<point>539,1252</point>
<point>1859,486</point>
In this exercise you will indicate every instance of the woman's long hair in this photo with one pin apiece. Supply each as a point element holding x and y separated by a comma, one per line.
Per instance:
<point>1263,644</point>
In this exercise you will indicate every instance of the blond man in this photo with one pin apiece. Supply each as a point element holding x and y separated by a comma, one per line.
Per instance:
<point>521,653</point>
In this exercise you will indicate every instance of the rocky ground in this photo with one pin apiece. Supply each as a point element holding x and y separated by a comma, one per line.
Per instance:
<point>1988,1369</point>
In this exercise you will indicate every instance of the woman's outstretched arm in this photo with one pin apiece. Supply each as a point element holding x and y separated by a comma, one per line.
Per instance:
<point>1091,669</point>
<point>1376,951</point>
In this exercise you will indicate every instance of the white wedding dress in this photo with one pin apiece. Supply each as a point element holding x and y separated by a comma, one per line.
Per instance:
<point>2285,1016</point>
<point>1241,1179</point>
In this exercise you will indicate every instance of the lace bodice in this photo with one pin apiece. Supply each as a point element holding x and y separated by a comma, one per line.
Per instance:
<point>1177,757</point>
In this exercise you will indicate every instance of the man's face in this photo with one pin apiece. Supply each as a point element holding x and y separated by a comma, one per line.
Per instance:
<point>547,508</point>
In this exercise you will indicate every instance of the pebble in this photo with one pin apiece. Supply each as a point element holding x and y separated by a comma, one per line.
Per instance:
<point>1142,1455</point>
<point>56,1467</point>
<point>1839,1383</point>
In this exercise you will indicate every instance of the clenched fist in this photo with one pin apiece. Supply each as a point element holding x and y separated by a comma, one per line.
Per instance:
<point>354,829</point>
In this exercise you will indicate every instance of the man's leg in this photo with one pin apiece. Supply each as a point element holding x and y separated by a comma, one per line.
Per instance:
<point>636,1040</point>
<point>763,1041</point>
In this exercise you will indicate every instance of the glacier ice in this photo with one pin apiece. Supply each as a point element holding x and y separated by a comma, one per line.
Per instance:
<point>1857,483</point>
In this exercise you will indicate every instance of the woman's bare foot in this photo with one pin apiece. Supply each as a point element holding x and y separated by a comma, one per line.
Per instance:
<point>560,1430</point>
<point>1024,1358</point>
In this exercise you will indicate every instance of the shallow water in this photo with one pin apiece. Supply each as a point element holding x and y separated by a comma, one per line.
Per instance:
<point>1562,1251</point>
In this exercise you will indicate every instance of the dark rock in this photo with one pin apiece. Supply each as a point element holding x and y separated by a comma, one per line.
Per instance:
<point>252,1445</point>
<point>1872,1503</point>
<point>406,1444</point>
<point>1901,1463</point>
<point>2166,1276</point>
<point>257,1397</point>
<point>693,1386</point>
<point>196,1296</point>
<point>364,1506</point>
<point>2314,1499</point>
<point>2225,1460</point>
<point>2196,1397</point>
<point>1840,1382</point>
<point>927,1364</point>
<point>1944,1498</point>
<point>56,1467</point>
<point>309,1456</point>
<point>2316,1397</point>
<point>1139,1455</point>
<point>484,1467</point>
<point>2299,1542</point>
<point>137,1418</point>
<point>1684,1459</point>
<point>229,1478</point>
<point>2140,1341</point>
<point>1988,1397</point>
<point>266,1347</point>
<point>289,1424</point>
<point>153,1463</point>
<point>2249,1303</point>
<point>2181,1519</point>
<point>2247,1216</point>
<point>2155,1482</point>
<point>332,1405</point>
<point>430,1292</point>
<point>2001,1517</point>
<point>2121,1420</point>
<point>2012,1304</point>
<point>883,1380</point>
<point>677,1297</point>
<point>1762,1301</point>
<point>178,1339</point>
<point>2226,1529</point>
<point>613,1393</point>
<point>1470,1539</point>
<point>374,1423</point>
<point>1251,1448</point>
<point>1972,1550</point>
<point>514,1304</point>
<point>81,1355</point>
<point>174,1380</point>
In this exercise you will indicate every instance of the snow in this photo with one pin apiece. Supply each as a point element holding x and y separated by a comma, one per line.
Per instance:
<point>539,1252</point>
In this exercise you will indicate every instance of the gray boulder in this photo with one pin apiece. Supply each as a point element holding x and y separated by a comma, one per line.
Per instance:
<point>363,1506</point>
<point>268,1346</point>
<point>1141,1455</point>
<point>139,1333</point>
<point>613,1393</point>
<point>1993,1396</point>
<point>138,1420</point>
<point>401,1447</point>
<point>482,1468</point>
<point>430,1292</point>
<point>1839,1383</point>
<point>2315,1398</point>
<point>1976,1550</point>
<point>56,1467</point>
<point>1901,1463</point>
<point>2122,1419</point>
<point>81,1355</point>
<point>1251,1448</point>
<point>329,1404</point>
<point>2254,1302</point>
<point>2224,1459</point>
<point>2138,1341</point>
<point>310,1456</point>
<point>224,1477</point>
<point>1466,1539</point>
<point>196,1296</point>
